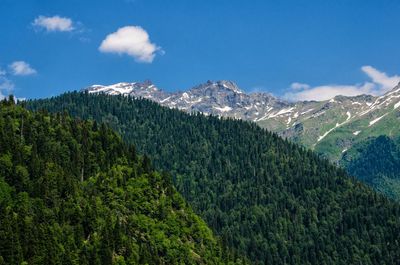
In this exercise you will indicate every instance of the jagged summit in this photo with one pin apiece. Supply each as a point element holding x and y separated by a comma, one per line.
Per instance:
<point>221,85</point>
<point>144,89</point>
<point>222,97</point>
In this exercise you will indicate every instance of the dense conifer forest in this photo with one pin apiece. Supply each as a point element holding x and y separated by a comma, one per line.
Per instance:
<point>71,192</point>
<point>268,199</point>
<point>376,162</point>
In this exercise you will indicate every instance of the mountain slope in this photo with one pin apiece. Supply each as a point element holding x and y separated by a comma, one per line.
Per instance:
<point>376,162</point>
<point>330,127</point>
<point>381,117</point>
<point>72,193</point>
<point>267,198</point>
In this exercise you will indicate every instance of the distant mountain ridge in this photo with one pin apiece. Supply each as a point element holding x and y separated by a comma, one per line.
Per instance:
<point>314,124</point>
<point>223,98</point>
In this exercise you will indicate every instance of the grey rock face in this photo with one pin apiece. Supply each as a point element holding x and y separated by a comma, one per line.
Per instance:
<point>222,98</point>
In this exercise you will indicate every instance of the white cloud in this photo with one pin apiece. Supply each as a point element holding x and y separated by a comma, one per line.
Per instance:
<point>21,68</point>
<point>55,23</point>
<point>329,91</point>
<point>385,82</point>
<point>297,86</point>
<point>381,83</point>
<point>133,41</point>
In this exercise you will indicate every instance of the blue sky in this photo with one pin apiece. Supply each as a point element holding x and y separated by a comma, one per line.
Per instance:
<point>297,49</point>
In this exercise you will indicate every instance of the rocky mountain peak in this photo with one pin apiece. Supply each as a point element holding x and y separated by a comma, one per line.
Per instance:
<point>218,86</point>
<point>138,89</point>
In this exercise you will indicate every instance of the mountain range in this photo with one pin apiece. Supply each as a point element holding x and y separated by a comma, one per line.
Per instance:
<point>340,129</point>
<point>330,127</point>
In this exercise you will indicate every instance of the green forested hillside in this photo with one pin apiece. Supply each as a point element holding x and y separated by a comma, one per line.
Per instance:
<point>268,199</point>
<point>376,161</point>
<point>72,193</point>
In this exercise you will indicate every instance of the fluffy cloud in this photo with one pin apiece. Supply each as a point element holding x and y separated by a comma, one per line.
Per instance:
<point>21,68</point>
<point>380,84</point>
<point>55,23</point>
<point>133,41</point>
<point>329,91</point>
<point>384,81</point>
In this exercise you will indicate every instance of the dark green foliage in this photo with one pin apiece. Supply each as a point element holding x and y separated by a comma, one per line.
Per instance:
<point>267,198</point>
<point>72,193</point>
<point>376,162</point>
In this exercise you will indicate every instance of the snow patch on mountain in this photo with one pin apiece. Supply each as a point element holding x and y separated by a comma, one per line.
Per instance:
<point>336,126</point>
<point>376,120</point>
<point>223,109</point>
<point>165,99</point>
